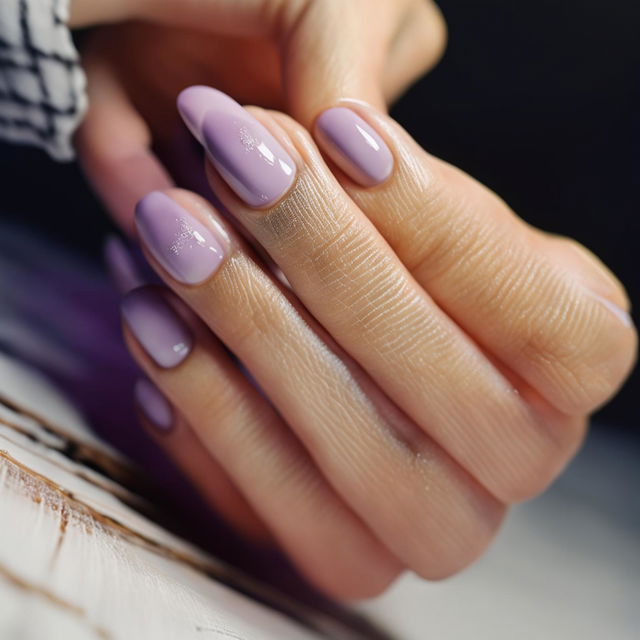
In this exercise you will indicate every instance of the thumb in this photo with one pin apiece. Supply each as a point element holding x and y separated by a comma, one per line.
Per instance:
<point>331,52</point>
<point>329,49</point>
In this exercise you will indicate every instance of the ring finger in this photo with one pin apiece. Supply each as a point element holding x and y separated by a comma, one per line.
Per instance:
<point>428,511</point>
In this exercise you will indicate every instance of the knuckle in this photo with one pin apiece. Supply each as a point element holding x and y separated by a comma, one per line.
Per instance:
<point>546,466</point>
<point>449,240</point>
<point>262,311</point>
<point>590,269</point>
<point>453,531</point>
<point>580,354</point>
<point>534,454</point>
<point>367,579</point>
<point>459,556</point>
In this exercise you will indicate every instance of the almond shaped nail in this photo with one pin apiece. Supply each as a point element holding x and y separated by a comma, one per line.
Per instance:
<point>157,327</point>
<point>250,160</point>
<point>354,146</point>
<point>186,248</point>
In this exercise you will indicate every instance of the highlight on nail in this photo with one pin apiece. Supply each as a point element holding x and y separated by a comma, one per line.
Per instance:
<point>190,251</point>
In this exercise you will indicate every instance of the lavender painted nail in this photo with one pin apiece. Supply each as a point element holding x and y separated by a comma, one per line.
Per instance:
<point>354,146</point>
<point>247,156</point>
<point>186,248</point>
<point>157,327</point>
<point>122,265</point>
<point>153,404</point>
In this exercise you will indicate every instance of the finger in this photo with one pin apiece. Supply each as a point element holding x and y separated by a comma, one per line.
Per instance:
<point>244,434</point>
<point>169,430</point>
<point>114,145</point>
<point>596,277</point>
<point>327,49</point>
<point>499,279</point>
<point>417,47</point>
<point>427,510</point>
<point>348,277</point>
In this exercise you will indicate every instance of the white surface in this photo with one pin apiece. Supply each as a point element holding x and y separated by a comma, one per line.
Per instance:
<point>84,580</point>
<point>25,387</point>
<point>565,567</point>
<point>76,563</point>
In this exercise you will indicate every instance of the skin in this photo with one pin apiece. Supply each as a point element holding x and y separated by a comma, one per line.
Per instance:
<point>295,55</point>
<point>396,432</point>
<point>414,402</point>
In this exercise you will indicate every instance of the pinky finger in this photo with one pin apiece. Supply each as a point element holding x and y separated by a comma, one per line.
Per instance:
<point>172,433</point>
<point>242,432</point>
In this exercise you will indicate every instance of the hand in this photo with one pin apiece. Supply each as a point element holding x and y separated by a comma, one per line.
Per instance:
<point>300,56</point>
<point>433,360</point>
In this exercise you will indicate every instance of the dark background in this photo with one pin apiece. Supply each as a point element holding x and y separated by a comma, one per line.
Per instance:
<point>540,101</point>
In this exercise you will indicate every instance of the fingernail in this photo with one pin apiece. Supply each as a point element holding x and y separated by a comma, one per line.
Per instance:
<point>187,249</point>
<point>250,160</point>
<point>121,265</point>
<point>157,327</point>
<point>354,146</point>
<point>194,102</point>
<point>153,404</point>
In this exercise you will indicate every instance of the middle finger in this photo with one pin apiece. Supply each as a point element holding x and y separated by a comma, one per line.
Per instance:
<point>354,284</point>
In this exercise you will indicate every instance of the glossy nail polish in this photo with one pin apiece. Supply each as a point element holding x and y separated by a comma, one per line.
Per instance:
<point>354,146</point>
<point>190,251</point>
<point>251,161</point>
<point>157,327</point>
<point>153,404</point>
<point>194,102</point>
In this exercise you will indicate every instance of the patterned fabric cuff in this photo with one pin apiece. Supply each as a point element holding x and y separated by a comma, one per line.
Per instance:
<point>42,85</point>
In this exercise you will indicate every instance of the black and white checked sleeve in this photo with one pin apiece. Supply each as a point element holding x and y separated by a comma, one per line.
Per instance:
<point>42,85</point>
